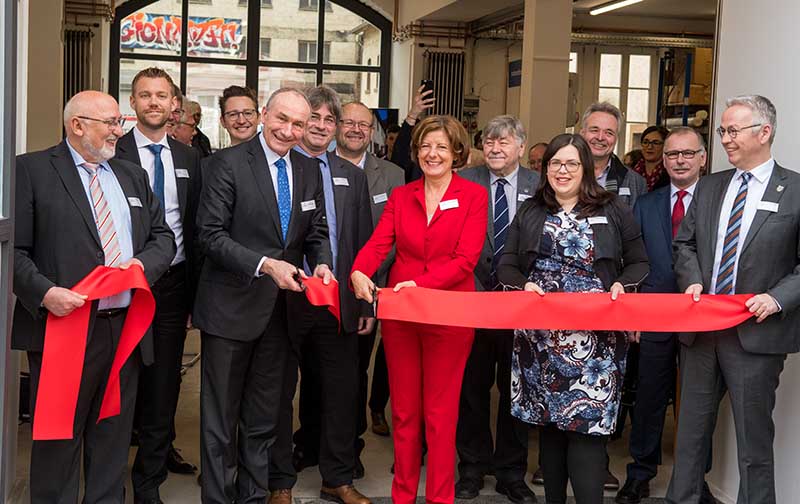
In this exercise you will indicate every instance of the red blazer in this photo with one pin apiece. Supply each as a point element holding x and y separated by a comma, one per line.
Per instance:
<point>439,255</point>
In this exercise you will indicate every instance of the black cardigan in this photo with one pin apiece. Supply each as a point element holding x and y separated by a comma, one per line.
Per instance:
<point>620,255</point>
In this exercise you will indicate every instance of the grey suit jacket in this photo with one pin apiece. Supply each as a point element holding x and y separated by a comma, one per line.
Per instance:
<point>382,177</point>
<point>527,183</point>
<point>769,260</point>
<point>624,182</point>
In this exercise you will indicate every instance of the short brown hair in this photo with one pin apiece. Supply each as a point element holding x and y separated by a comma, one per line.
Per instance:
<point>153,73</point>
<point>452,128</point>
<point>234,91</point>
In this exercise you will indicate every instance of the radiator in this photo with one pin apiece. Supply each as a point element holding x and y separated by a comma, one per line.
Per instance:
<point>446,70</point>
<point>77,61</point>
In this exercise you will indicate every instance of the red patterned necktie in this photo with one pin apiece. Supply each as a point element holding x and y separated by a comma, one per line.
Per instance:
<point>678,212</point>
<point>103,219</point>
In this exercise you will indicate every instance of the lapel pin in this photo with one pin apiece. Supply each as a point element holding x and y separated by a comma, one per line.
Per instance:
<point>779,188</point>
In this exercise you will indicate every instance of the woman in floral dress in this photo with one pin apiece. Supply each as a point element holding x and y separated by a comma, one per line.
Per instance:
<point>572,236</point>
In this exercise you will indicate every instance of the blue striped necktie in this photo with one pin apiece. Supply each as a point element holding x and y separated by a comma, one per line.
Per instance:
<point>284,196</point>
<point>728,260</point>
<point>158,174</point>
<point>501,223</point>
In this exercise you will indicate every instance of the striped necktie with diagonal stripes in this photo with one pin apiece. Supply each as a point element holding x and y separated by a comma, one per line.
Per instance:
<point>501,223</point>
<point>103,218</point>
<point>727,262</point>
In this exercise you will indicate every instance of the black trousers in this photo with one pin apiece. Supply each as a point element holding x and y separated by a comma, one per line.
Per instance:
<point>56,465</point>
<point>240,395</point>
<point>159,385</point>
<point>379,395</point>
<point>328,390</point>
<point>574,457</point>
<point>490,363</point>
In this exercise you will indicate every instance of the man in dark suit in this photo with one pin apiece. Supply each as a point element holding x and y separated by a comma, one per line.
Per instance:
<point>327,351</point>
<point>741,236</point>
<point>67,197</point>
<point>262,210</point>
<point>490,358</point>
<point>659,214</point>
<point>173,169</point>
<point>353,137</point>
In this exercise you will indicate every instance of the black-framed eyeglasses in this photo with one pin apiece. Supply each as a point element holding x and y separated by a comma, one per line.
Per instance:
<point>350,124</point>
<point>733,131</point>
<point>554,165</point>
<point>111,123</point>
<point>687,154</point>
<point>654,143</point>
<point>248,114</point>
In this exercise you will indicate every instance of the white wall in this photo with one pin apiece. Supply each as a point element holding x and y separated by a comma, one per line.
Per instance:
<point>755,54</point>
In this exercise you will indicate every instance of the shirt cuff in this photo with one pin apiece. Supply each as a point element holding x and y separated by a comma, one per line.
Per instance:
<point>258,272</point>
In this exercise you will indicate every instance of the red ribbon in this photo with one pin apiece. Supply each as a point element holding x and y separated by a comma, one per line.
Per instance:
<point>65,349</point>
<point>557,310</point>
<point>319,294</point>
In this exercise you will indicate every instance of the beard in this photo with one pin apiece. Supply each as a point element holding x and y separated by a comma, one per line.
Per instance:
<point>102,153</point>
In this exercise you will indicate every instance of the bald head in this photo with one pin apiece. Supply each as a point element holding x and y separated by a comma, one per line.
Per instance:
<point>92,123</point>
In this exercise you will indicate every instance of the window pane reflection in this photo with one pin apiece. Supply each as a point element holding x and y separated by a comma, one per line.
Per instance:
<point>155,29</point>
<point>204,84</point>
<point>354,86</point>
<point>353,40</point>
<point>291,27</point>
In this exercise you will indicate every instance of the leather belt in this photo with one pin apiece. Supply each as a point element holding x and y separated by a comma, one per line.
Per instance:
<point>111,312</point>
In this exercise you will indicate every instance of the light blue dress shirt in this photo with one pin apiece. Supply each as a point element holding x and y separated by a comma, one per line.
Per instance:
<point>330,205</point>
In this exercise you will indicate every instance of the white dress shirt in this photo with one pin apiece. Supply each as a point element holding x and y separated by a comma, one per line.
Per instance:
<point>755,191</point>
<point>687,198</point>
<point>510,189</point>
<point>273,157</point>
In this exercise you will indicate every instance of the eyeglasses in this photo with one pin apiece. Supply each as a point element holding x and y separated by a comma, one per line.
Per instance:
<point>732,131</point>
<point>555,165</point>
<point>191,125</point>
<point>234,115</point>
<point>111,123</point>
<point>687,154</point>
<point>350,124</point>
<point>654,143</point>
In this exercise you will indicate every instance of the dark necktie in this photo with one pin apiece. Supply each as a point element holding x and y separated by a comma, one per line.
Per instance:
<point>284,196</point>
<point>501,223</point>
<point>678,212</point>
<point>728,259</point>
<point>158,174</point>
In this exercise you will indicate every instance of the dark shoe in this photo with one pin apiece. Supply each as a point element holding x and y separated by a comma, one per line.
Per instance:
<point>707,497</point>
<point>517,492</point>
<point>282,496</point>
<point>300,460</point>
<point>468,487</point>
<point>538,477</point>
<point>176,464</point>
<point>358,470</point>
<point>345,494</point>
<point>135,437</point>
<point>633,492</point>
<point>612,483</point>
<point>379,425</point>
<point>150,500</point>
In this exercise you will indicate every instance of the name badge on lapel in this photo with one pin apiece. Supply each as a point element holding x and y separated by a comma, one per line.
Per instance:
<point>600,219</point>
<point>342,181</point>
<point>380,198</point>
<point>308,205</point>
<point>135,202</point>
<point>180,173</point>
<point>523,197</point>
<point>624,191</point>
<point>447,205</point>
<point>769,206</point>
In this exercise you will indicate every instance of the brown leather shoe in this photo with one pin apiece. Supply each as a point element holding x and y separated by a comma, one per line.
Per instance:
<point>282,496</point>
<point>379,425</point>
<point>345,494</point>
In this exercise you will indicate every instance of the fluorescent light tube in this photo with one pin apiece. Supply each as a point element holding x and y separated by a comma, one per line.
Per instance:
<point>612,6</point>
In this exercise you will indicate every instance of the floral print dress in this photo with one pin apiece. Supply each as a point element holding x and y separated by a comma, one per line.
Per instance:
<point>572,379</point>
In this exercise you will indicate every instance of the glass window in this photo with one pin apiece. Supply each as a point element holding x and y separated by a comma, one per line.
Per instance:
<point>307,51</point>
<point>154,29</point>
<point>610,95</point>
<point>272,78</point>
<point>638,109</point>
<point>128,68</point>
<point>217,34</point>
<point>354,86</point>
<point>610,70</point>
<point>289,32</point>
<point>353,40</point>
<point>204,84</point>
<point>264,45</point>
<point>639,71</point>
<point>313,5</point>
<point>573,62</point>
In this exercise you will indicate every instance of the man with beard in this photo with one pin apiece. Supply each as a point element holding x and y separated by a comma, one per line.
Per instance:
<point>352,139</point>
<point>76,209</point>
<point>238,108</point>
<point>327,350</point>
<point>174,172</point>
<point>262,210</point>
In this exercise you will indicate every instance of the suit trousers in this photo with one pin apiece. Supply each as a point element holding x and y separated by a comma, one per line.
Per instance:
<point>159,385</point>
<point>240,394</point>
<point>656,377</point>
<point>426,367</point>
<point>379,395</point>
<point>56,465</point>
<point>328,388</point>
<point>715,364</point>
<point>507,456</point>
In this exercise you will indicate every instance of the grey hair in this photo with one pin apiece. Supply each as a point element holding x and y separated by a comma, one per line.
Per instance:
<point>503,125</point>
<point>605,107</point>
<point>191,109</point>
<point>324,95</point>
<point>687,130</point>
<point>285,90</point>
<point>763,110</point>
<point>71,109</point>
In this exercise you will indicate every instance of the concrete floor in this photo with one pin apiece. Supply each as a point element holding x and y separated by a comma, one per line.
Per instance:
<point>377,456</point>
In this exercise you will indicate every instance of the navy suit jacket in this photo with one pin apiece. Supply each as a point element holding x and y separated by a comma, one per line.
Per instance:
<point>652,211</point>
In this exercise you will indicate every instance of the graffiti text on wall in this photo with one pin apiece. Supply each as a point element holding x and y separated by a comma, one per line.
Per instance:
<point>163,31</point>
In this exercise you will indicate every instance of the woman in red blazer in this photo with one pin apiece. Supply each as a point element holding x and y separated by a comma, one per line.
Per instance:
<point>438,225</point>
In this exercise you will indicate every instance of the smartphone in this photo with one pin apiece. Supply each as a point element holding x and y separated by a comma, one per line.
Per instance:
<point>427,85</point>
